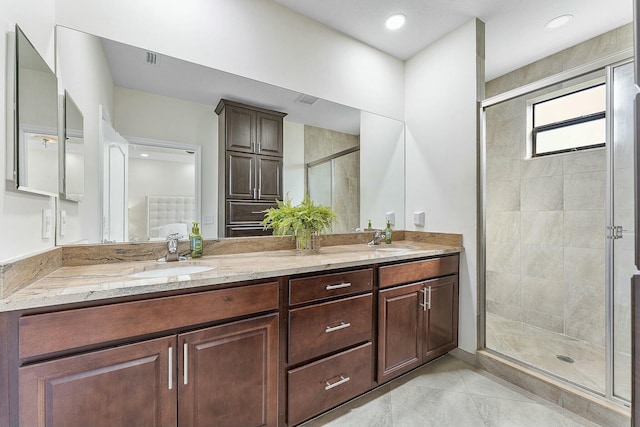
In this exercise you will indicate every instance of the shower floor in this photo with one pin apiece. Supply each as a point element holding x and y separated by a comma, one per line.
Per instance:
<point>540,348</point>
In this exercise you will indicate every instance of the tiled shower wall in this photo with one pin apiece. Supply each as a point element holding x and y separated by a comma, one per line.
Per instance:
<point>545,224</point>
<point>320,143</point>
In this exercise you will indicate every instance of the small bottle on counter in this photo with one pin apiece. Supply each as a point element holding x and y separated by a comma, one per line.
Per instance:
<point>195,241</point>
<point>369,228</point>
<point>387,233</point>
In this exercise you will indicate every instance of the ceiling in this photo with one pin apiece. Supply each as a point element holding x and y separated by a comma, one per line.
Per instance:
<point>514,29</point>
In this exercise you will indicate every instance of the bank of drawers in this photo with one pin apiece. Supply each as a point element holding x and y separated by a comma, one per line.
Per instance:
<point>330,350</point>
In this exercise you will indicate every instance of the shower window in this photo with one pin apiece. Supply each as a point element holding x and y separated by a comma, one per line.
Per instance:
<point>569,120</point>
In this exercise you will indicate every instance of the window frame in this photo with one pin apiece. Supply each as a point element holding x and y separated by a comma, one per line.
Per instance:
<point>533,131</point>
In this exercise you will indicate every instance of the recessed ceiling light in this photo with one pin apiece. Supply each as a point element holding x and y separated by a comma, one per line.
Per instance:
<point>144,155</point>
<point>558,21</point>
<point>396,21</point>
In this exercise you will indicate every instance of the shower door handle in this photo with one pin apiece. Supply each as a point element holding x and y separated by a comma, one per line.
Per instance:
<point>614,232</point>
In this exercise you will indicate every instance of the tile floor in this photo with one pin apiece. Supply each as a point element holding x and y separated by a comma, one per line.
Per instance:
<point>539,348</point>
<point>449,393</point>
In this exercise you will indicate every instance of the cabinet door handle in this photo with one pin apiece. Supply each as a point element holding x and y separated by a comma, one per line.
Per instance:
<point>255,193</point>
<point>341,381</point>
<point>338,286</point>
<point>259,147</point>
<point>424,299</point>
<point>342,325</point>
<point>186,363</point>
<point>429,300</point>
<point>170,368</point>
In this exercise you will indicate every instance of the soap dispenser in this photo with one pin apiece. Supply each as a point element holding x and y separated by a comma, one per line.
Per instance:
<point>387,233</point>
<point>195,241</point>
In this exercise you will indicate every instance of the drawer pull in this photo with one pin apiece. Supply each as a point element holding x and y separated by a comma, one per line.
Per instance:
<point>342,380</point>
<point>342,325</point>
<point>338,286</point>
<point>257,212</point>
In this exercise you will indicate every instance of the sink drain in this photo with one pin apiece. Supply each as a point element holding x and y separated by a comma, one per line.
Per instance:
<point>565,358</point>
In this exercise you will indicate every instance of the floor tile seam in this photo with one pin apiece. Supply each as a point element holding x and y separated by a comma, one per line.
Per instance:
<point>476,405</point>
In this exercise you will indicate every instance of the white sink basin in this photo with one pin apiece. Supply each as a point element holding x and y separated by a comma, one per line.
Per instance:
<point>393,249</point>
<point>168,271</point>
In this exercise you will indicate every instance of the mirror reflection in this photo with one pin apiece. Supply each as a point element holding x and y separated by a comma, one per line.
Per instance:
<point>158,105</point>
<point>73,173</point>
<point>36,129</point>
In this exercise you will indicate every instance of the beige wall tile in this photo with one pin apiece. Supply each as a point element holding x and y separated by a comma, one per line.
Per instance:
<point>544,321</point>
<point>503,227</point>
<point>585,191</point>
<point>585,161</point>
<point>502,169</point>
<point>596,47</point>
<point>543,296</point>
<point>584,268</point>
<point>503,196</point>
<point>503,257</point>
<point>585,314</point>
<point>543,228</point>
<point>504,288</point>
<point>542,262</point>
<point>510,312</point>
<point>541,166</point>
<point>584,229</point>
<point>542,194</point>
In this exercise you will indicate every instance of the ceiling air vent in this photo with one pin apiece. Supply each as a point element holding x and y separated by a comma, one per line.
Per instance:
<point>152,58</point>
<point>306,99</point>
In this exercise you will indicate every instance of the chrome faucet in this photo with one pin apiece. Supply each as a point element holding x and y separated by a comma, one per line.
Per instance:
<point>172,249</point>
<point>378,236</point>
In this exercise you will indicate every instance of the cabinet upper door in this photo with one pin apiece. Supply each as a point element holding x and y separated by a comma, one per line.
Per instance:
<point>400,330</point>
<point>441,333</point>
<point>269,134</point>
<point>241,176</point>
<point>133,385</point>
<point>228,374</point>
<point>241,129</point>
<point>269,177</point>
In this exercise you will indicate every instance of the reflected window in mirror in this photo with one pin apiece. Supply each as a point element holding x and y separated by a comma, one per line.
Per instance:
<point>74,152</point>
<point>36,121</point>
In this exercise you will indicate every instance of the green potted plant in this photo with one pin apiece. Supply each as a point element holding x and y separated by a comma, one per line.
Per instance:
<point>305,222</point>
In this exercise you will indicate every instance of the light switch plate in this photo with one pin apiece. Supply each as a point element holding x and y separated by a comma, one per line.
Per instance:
<point>391,217</point>
<point>46,223</point>
<point>63,222</point>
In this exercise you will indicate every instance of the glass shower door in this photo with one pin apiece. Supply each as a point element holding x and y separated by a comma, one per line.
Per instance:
<point>621,231</point>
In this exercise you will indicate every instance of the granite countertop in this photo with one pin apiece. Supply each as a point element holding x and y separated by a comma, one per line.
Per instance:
<point>73,284</point>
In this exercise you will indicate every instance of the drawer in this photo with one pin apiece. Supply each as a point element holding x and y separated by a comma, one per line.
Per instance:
<point>247,211</point>
<point>317,288</point>
<point>328,382</point>
<point>322,328</point>
<point>41,334</point>
<point>408,272</point>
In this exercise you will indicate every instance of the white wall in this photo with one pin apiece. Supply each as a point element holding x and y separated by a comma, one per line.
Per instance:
<point>150,116</point>
<point>442,144</point>
<point>381,170</point>
<point>293,170</point>
<point>257,39</point>
<point>20,213</point>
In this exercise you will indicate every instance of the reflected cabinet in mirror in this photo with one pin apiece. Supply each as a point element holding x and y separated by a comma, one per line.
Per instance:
<point>73,149</point>
<point>35,166</point>
<point>160,113</point>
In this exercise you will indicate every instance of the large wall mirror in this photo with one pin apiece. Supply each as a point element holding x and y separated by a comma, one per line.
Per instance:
<point>73,151</point>
<point>160,111</point>
<point>35,148</point>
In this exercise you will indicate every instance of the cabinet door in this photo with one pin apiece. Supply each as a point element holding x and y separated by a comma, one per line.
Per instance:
<point>241,176</point>
<point>400,330</point>
<point>133,385</point>
<point>228,374</point>
<point>269,177</point>
<point>441,332</point>
<point>241,129</point>
<point>269,134</point>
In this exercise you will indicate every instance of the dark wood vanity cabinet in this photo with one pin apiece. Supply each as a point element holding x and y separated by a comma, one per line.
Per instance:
<point>330,351</point>
<point>251,162</point>
<point>418,321</point>
<point>222,375</point>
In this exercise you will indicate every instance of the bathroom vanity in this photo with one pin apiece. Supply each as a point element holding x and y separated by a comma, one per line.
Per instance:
<point>268,338</point>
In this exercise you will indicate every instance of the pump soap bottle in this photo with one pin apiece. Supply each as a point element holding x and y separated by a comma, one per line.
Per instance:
<point>195,241</point>
<point>387,233</point>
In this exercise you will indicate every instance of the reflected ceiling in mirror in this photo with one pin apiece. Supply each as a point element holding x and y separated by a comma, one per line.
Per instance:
<point>36,121</point>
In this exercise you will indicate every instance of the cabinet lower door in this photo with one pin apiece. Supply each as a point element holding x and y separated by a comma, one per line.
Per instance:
<point>269,177</point>
<point>400,330</point>
<point>125,386</point>
<point>441,332</point>
<point>228,374</point>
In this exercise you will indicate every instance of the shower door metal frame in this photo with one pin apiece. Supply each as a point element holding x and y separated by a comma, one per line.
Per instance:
<point>600,64</point>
